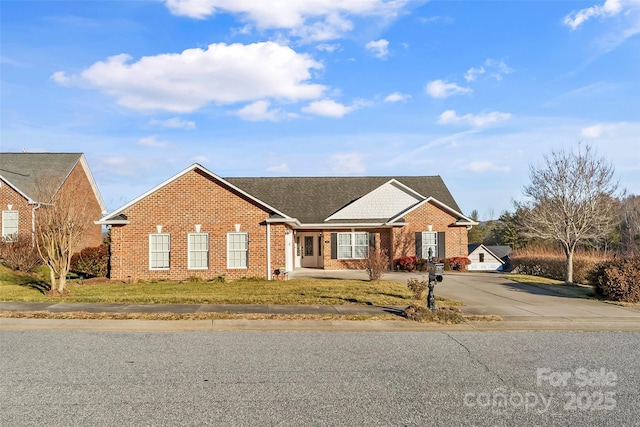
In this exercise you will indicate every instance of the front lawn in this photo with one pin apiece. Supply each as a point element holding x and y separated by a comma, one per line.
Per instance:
<point>19,287</point>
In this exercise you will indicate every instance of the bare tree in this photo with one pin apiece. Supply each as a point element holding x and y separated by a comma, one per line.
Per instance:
<point>630,226</point>
<point>570,200</point>
<point>60,225</point>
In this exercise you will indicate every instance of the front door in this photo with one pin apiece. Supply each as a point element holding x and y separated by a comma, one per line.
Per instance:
<point>311,250</point>
<point>308,251</point>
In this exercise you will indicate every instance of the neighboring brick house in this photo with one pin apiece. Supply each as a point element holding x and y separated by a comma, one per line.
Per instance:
<point>199,224</point>
<point>24,176</point>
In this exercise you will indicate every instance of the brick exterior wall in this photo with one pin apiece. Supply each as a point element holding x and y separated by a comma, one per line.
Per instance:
<point>196,198</point>
<point>402,241</point>
<point>79,187</point>
<point>441,221</point>
<point>193,198</point>
<point>9,196</point>
<point>77,183</point>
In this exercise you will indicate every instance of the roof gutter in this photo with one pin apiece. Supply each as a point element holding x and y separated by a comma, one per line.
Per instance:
<point>113,222</point>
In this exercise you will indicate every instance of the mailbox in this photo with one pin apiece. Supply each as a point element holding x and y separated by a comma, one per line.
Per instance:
<point>436,271</point>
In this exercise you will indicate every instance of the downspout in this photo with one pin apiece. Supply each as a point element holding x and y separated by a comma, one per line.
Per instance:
<point>33,224</point>
<point>268,251</point>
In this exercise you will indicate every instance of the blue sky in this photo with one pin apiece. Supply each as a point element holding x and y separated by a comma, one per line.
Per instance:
<point>473,91</point>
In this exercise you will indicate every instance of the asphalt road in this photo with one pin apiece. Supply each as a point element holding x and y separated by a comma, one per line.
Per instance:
<point>70,378</point>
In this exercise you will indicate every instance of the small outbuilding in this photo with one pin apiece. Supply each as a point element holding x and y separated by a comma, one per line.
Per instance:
<point>489,258</point>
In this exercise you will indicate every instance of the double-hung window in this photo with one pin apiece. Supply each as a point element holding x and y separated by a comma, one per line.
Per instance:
<point>353,245</point>
<point>237,250</point>
<point>198,251</point>
<point>159,251</point>
<point>430,244</point>
<point>9,225</point>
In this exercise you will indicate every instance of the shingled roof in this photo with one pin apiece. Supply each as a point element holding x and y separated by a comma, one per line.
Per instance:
<point>312,199</point>
<point>24,172</point>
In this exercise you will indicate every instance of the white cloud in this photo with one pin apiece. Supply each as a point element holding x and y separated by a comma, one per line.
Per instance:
<point>328,47</point>
<point>598,131</point>
<point>442,89</point>
<point>184,82</point>
<point>476,120</point>
<point>258,111</point>
<point>609,8</point>
<point>485,166</point>
<point>347,163</point>
<point>397,97</point>
<point>498,69</point>
<point>61,78</point>
<point>313,20</point>
<point>331,108</point>
<point>379,48</point>
<point>592,131</point>
<point>472,73</point>
<point>174,123</point>
<point>281,168</point>
<point>152,141</point>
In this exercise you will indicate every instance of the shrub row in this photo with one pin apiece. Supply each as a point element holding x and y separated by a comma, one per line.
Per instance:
<point>413,263</point>
<point>553,266</point>
<point>91,261</point>
<point>618,280</point>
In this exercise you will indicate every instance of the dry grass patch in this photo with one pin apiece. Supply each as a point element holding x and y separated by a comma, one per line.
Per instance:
<point>82,315</point>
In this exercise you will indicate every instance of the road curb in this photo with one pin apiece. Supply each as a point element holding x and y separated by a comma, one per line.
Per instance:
<point>553,325</point>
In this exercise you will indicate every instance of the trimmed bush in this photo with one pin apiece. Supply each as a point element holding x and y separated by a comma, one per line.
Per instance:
<point>91,261</point>
<point>618,280</point>
<point>459,263</point>
<point>406,263</point>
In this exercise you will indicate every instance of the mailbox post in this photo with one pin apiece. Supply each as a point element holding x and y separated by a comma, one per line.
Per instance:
<point>436,274</point>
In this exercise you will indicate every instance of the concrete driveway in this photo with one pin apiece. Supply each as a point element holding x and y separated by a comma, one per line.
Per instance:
<point>491,293</point>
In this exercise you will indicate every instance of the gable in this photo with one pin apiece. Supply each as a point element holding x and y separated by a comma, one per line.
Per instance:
<point>477,249</point>
<point>25,171</point>
<point>312,200</point>
<point>385,202</point>
<point>184,197</point>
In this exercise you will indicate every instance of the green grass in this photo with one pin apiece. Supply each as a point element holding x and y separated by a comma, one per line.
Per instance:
<point>30,288</point>
<point>558,286</point>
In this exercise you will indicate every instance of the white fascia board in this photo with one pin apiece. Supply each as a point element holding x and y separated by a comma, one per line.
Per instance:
<point>17,190</point>
<point>113,222</point>
<point>180,174</point>
<point>325,225</point>
<point>291,221</point>
<point>408,189</point>
<point>92,182</point>
<point>464,219</point>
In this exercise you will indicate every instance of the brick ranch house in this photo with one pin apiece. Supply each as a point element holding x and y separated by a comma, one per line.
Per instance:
<point>199,224</point>
<point>22,182</point>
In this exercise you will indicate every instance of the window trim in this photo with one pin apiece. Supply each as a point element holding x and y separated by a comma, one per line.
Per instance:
<point>151,252</point>
<point>352,244</point>
<point>10,237</point>
<point>246,250</point>
<point>425,244</point>
<point>190,251</point>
